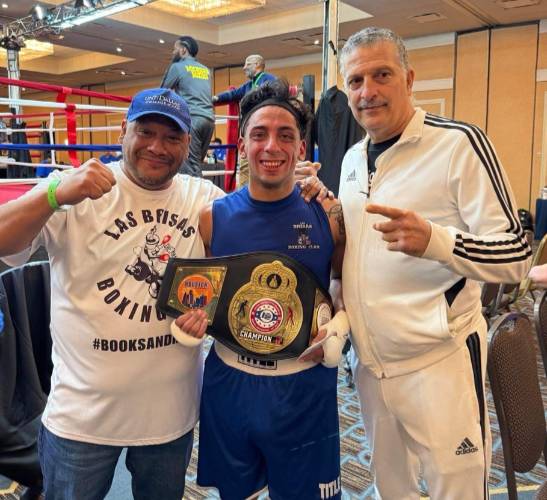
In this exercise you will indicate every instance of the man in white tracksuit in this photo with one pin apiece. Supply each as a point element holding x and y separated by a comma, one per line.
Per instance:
<point>429,214</point>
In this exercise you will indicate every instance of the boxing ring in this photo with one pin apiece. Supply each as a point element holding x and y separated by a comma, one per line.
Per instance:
<point>75,153</point>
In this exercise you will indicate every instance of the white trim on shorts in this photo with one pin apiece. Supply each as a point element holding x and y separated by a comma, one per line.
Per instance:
<point>256,366</point>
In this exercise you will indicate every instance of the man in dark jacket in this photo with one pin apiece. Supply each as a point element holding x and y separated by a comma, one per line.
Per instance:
<point>254,70</point>
<point>191,80</point>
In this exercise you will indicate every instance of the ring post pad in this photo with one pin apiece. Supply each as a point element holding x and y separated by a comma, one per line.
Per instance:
<point>263,304</point>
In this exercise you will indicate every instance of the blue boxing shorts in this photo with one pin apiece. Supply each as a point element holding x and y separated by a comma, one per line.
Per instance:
<point>279,431</point>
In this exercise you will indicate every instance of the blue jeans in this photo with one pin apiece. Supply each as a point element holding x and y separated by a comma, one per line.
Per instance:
<point>74,470</point>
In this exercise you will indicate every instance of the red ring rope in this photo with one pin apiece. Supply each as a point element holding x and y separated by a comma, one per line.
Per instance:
<point>60,89</point>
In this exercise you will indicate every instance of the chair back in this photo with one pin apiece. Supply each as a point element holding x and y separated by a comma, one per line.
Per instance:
<point>540,320</point>
<point>25,368</point>
<point>529,235</point>
<point>489,294</point>
<point>512,370</point>
<point>507,295</point>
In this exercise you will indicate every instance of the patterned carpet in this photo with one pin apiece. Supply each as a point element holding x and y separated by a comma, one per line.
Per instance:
<point>355,456</point>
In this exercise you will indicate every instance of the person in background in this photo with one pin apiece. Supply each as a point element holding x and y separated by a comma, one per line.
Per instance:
<point>44,168</point>
<point>538,275</point>
<point>254,70</point>
<point>119,378</point>
<point>110,157</point>
<point>220,154</point>
<point>429,214</point>
<point>192,81</point>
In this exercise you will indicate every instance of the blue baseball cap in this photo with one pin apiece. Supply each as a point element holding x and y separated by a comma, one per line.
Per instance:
<point>162,102</point>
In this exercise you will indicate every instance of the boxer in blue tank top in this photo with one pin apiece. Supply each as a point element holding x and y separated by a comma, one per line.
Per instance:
<point>290,225</point>
<point>272,423</point>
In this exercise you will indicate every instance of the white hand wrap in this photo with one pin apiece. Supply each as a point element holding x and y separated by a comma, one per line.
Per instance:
<point>184,338</point>
<point>332,348</point>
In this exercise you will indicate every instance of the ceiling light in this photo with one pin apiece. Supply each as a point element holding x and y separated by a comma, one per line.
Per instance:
<point>205,9</point>
<point>80,4</point>
<point>292,40</point>
<point>37,46</point>
<point>217,53</point>
<point>114,7</point>
<point>316,42</point>
<point>32,49</point>
<point>38,12</point>
<point>161,40</point>
<point>5,5</point>
<point>118,49</point>
<point>122,72</point>
<point>428,17</point>
<point>515,4</point>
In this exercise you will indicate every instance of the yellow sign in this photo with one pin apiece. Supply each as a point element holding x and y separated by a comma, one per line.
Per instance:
<point>198,72</point>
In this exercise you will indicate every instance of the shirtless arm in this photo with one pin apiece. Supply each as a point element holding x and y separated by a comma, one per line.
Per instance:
<point>333,208</point>
<point>330,352</point>
<point>22,219</point>
<point>206,227</point>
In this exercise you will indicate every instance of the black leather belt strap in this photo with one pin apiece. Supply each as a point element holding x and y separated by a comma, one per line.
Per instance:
<point>263,303</point>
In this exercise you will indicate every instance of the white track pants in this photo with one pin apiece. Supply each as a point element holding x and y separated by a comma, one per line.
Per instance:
<point>430,419</point>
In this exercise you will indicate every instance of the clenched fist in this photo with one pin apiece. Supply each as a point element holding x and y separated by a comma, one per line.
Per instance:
<point>91,180</point>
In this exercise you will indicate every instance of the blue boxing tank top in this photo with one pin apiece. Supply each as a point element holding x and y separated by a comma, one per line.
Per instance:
<point>290,226</point>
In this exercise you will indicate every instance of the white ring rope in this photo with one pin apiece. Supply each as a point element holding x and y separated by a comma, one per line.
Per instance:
<point>212,173</point>
<point>4,163</point>
<point>228,117</point>
<point>10,131</point>
<point>61,105</point>
<point>35,180</point>
<point>52,136</point>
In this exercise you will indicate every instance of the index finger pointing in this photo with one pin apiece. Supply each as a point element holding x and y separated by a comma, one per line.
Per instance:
<point>391,212</point>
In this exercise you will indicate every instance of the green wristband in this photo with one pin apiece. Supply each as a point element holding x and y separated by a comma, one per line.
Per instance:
<point>51,198</point>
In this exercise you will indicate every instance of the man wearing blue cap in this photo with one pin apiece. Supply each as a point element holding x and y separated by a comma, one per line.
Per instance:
<point>192,81</point>
<point>119,380</point>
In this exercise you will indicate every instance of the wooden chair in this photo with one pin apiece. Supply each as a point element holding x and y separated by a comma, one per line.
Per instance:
<point>512,371</point>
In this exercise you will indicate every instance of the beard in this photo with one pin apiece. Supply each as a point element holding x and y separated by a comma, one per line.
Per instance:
<point>155,182</point>
<point>147,181</point>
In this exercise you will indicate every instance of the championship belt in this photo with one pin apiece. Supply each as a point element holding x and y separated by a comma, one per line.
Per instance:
<point>261,304</point>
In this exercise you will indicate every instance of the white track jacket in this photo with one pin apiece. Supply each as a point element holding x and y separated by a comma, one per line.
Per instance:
<point>407,312</point>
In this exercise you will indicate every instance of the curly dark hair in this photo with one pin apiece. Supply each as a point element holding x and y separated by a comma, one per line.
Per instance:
<point>275,92</point>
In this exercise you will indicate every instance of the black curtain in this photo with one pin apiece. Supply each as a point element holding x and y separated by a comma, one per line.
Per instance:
<point>336,131</point>
<point>15,171</point>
